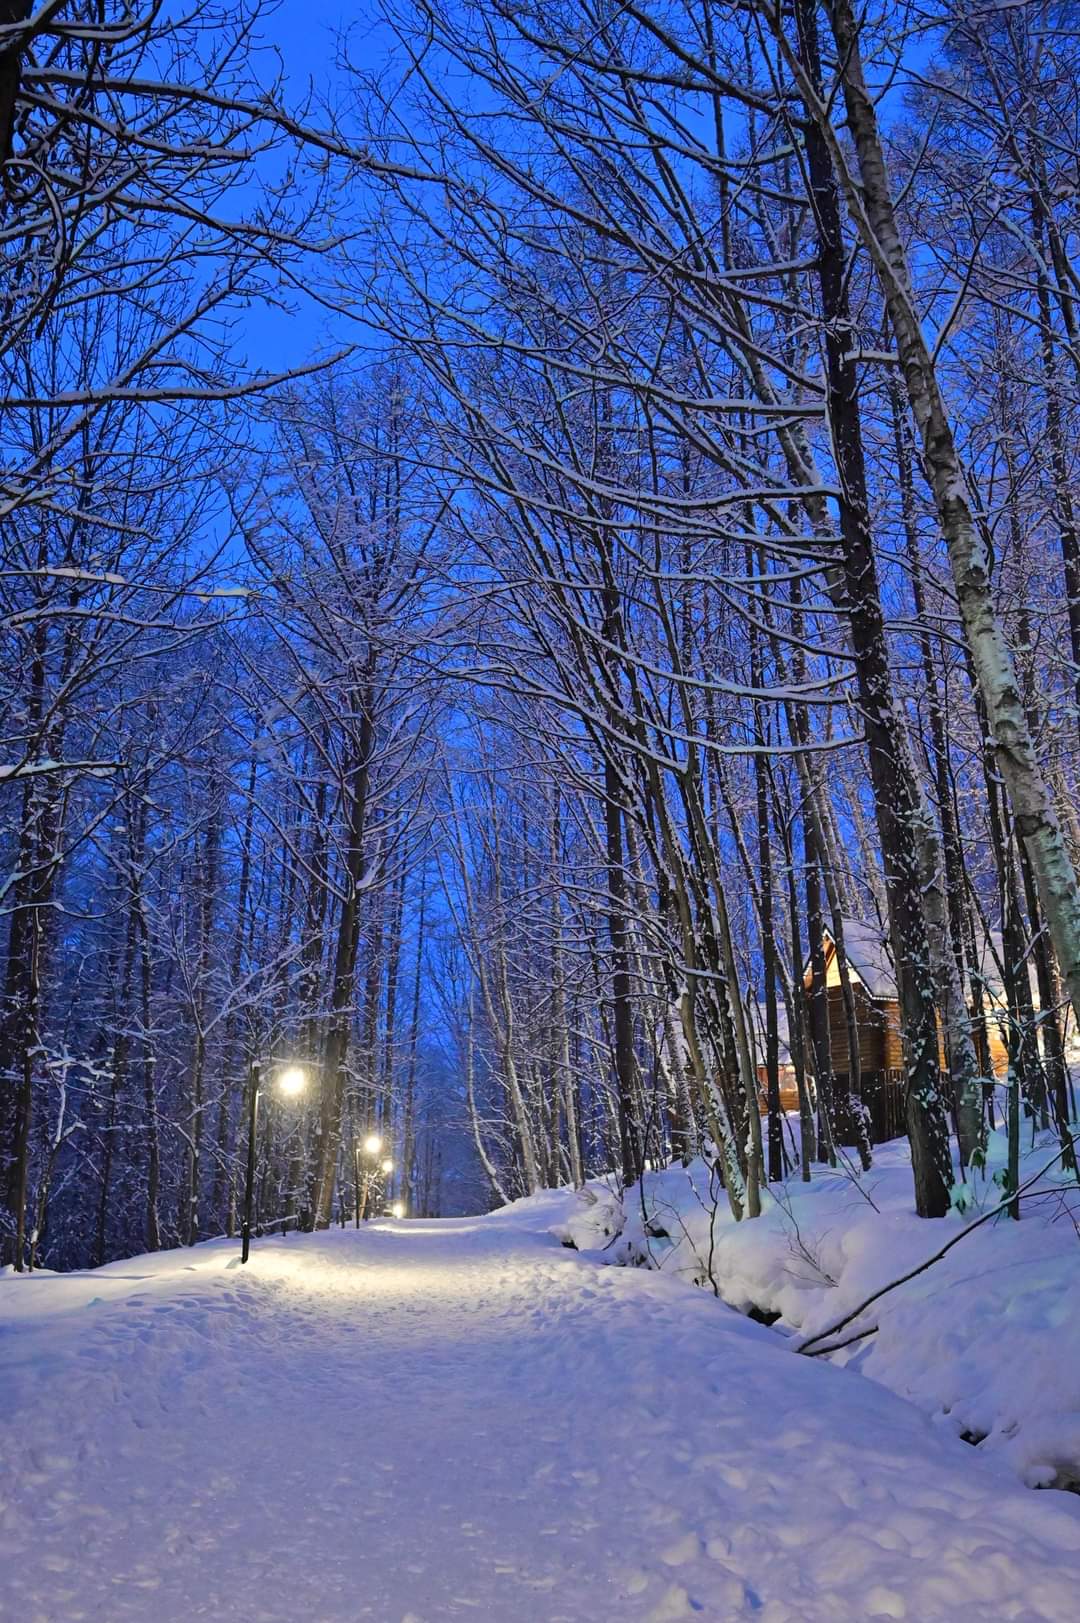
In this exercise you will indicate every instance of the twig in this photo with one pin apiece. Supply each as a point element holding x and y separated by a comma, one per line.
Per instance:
<point>822,1352</point>
<point>823,1335</point>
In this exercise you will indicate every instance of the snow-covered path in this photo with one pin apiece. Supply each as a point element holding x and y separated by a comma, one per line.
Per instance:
<point>464,1420</point>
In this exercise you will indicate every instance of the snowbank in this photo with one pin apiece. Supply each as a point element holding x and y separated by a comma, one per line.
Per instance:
<point>986,1341</point>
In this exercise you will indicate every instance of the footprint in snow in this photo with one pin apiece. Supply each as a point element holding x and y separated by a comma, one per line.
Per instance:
<point>674,1604</point>
<point>687,1548</point>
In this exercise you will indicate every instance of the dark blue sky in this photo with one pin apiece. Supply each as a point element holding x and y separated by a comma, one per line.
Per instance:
<point>307,36</point>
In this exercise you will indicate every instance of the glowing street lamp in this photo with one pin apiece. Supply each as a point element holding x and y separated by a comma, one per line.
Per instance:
<point>372,1148</point>
<point>397,1209</point>
<point>291,1082</point>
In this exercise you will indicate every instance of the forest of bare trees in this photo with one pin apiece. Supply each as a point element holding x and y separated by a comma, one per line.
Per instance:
<point>662,577</point>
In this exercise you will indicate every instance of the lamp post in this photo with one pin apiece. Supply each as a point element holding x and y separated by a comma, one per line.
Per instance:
<point>291,1081</point>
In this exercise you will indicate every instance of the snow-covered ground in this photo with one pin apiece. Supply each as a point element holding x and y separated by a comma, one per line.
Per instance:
<point>986,1342</point>
<point>463,1419</point>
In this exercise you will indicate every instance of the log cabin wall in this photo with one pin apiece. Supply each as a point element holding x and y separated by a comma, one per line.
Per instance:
<point>874,1034</point>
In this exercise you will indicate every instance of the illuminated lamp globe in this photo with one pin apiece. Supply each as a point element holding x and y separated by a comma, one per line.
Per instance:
<point>292,1081</point>
<point>372,1144</point>
<point>398,1209</point>
<point>387,1165</point>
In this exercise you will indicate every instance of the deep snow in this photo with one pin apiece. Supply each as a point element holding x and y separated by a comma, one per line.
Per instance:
<point>463,1419</point>
<point>986,1342</point>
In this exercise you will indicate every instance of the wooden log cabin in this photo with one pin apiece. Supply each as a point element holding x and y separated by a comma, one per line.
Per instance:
<point>877,1011</point>
<point>878,1016</point>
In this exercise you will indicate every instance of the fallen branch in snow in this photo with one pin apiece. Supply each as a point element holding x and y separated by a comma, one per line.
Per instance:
<point>995,1211</point>
<point>822,1352</point>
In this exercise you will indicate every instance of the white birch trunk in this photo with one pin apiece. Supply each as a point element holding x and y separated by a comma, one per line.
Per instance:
<point>870,203</point>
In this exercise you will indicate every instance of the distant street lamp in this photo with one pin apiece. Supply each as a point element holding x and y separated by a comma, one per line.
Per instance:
<point>398,1209</point>
<point>291,1082</point>
<point>372,1148</point>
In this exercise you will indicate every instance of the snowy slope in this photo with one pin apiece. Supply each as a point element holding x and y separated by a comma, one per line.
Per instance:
<point>465,1420</point>
<point>986,1342</point>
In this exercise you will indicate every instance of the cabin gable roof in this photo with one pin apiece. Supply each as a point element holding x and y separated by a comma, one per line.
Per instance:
<point>868,959</point>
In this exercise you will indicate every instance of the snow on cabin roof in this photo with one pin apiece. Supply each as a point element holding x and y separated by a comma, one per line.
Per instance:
<point>870,957</point>
<point>867,953</point>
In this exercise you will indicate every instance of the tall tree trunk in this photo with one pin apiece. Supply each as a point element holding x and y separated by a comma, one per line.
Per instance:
<point>348,936</point>
<point>1055,433</point>
<point>387,1099</point>
<point>765,908</point>
<point>819,997</point>
<point>408,1128</point>
<point>1054,1062</point>
<point>567,1081</point>
<point>231,1060</point>
<point>895,795</point>
<point>797,1002</point>
<point>943,879</point>
<point>622,1010</point>
<point>207,879</point>
<point>871,205</point>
